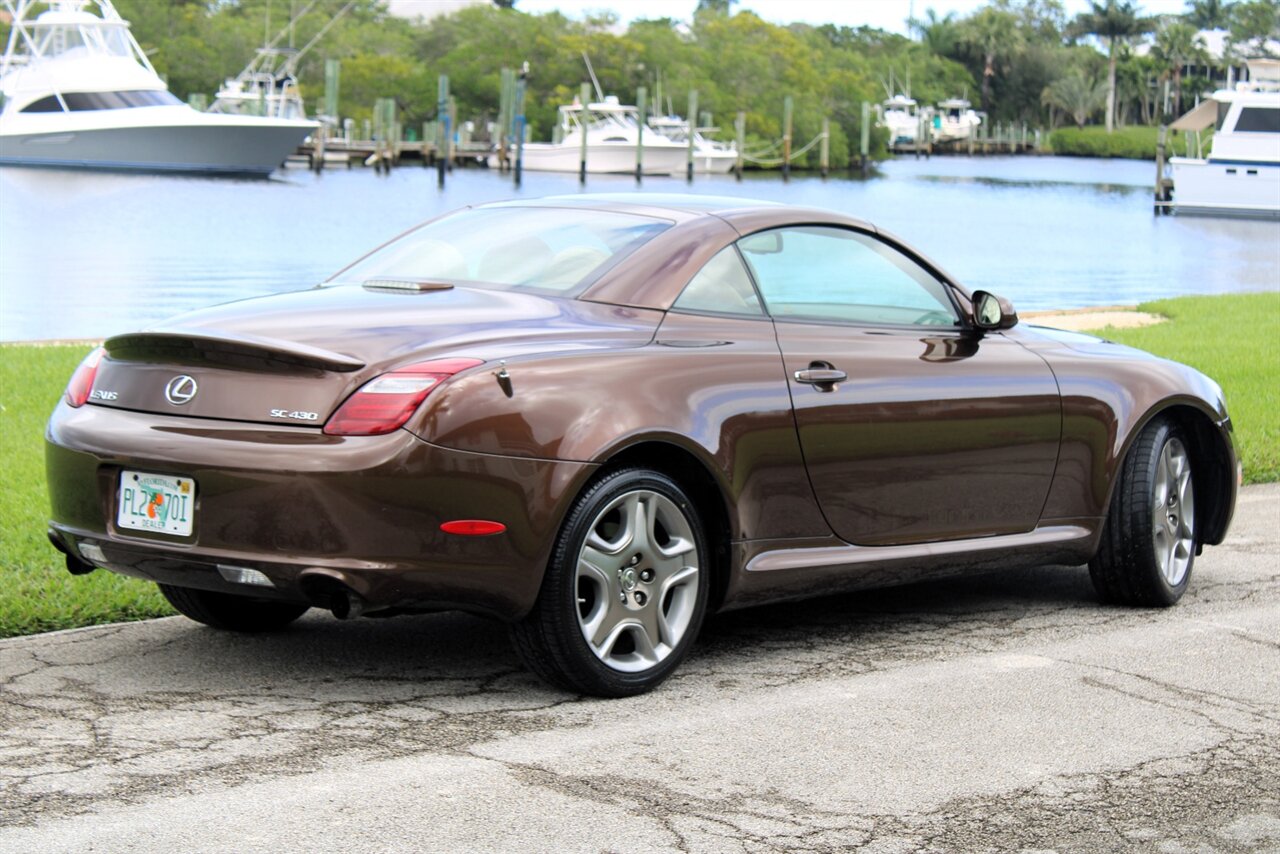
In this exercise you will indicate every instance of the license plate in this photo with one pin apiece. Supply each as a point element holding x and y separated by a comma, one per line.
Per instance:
<point>159,503</point>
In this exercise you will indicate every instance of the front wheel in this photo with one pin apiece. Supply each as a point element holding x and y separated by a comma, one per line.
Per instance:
<point>1149,542</point>
<point>233,613</point>
<point>625,591</point>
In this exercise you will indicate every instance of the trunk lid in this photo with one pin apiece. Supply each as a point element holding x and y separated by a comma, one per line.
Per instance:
<point>293,358</point>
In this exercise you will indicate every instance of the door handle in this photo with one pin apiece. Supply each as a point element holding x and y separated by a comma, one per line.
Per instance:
<point>821,374</point>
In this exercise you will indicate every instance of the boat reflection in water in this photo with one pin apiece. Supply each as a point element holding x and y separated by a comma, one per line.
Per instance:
<point>78,91</point>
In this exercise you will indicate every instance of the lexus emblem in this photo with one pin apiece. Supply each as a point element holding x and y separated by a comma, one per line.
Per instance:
<point>180,390</point>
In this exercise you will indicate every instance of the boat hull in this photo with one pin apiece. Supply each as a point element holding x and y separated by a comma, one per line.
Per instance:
<point>227,148</point>
<point>1226,188</point>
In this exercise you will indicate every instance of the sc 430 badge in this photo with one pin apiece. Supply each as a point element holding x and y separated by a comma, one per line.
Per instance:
<point>295,415</point>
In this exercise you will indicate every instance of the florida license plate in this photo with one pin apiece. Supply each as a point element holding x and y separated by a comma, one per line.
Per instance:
<point>160,503</point>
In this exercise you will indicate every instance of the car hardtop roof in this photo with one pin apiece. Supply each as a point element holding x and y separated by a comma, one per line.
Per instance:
<point>682,207</point>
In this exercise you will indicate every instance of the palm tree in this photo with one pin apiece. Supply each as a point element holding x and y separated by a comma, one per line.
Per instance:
<point>1177,45</point>
<point>1077,94</point>
<point>1113,21</point>
<point>939,34</point>
<point>991,33</point>
<point>1208,14</point>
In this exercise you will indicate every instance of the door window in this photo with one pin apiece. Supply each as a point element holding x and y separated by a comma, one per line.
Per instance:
<point>825,273</point>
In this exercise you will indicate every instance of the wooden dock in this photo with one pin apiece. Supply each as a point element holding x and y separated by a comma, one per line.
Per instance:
<point>320,153</point>
<point>997,139</point>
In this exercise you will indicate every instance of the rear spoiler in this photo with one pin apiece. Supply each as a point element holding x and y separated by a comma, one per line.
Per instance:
<point>247,352</point>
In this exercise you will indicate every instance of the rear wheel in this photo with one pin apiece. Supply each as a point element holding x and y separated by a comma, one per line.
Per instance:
<point>1149,543</point>
<point>233,613</point>
<point>625,591</point>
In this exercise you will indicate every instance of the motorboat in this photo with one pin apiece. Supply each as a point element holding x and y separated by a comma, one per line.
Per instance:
<point>260,92</point>
<point>612,132</point>
<point>78,91</point>
<point>710,157</point>
<point>268,85</point>
<point>954,120</point>
<point>899,114</point>
<point>1241,174</point>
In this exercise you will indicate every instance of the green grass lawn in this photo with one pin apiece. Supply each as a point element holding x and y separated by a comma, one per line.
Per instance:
<point>36,592</point>
<point>1236,341</point>
<point>1231,338</point>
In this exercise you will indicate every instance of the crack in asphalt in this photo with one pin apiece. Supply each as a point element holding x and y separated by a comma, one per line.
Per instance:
<point>72,742</point>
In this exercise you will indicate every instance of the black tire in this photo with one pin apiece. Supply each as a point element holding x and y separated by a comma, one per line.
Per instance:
<point>232,613</point>
<point>1128,568</point>
<point>551,639</point>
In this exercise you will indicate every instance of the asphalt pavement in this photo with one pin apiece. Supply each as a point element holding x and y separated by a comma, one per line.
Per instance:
<point>1008,712</point>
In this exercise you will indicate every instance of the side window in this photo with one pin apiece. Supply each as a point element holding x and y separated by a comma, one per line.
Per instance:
<point>826,273</point>
<point>721,286</point>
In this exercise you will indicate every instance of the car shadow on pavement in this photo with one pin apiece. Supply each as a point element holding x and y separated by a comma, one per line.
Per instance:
<point>459,653</point>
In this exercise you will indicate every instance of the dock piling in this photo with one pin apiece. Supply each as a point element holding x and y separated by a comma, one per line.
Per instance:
<point>442,128</point>
<point>740,128</point>
<point>584,95</point>
<point>641,108</point>
<point>519,121</point>
<point>824,150</point>
<point>787,106</point>
<point>864,139</point>
<point>693,129</point>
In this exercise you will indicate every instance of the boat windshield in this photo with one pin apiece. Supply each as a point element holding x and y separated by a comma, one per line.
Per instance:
<point>77,101</point>
<point>549,250</point>
<point>72,35</point>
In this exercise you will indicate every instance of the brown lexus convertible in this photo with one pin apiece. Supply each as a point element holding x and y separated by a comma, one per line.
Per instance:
<point>598,417</point>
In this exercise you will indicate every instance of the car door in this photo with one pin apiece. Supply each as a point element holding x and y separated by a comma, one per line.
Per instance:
<point>913,427</point>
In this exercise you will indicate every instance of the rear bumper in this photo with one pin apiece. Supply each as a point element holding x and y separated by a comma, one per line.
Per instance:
<point>297,505</point>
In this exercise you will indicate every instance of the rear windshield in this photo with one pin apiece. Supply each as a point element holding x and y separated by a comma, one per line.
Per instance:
<point>552,250</point>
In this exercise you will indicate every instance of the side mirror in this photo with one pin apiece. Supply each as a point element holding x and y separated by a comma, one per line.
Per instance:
<point>991,312</point>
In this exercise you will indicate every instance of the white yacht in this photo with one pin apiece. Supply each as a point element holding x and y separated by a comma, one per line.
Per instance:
<point>259,91</point>
<point>710,157</point>
<point>899,115</point>
<point>268,85</point>
<point>613,135</point>
<point>954,120</point>
<point>1241,175</point>
<point>77,91</point>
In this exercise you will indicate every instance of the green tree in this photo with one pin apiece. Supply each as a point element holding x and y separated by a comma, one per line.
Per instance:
<point>1177,45</point>
<point>1208,14</point>
<point>991,34</point>
<point>941,35</point>
<point>1114,22</point>
<point>1076,94</point>
<point>1253,25</point>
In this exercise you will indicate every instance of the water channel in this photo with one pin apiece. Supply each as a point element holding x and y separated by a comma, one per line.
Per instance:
<point>86,255</point>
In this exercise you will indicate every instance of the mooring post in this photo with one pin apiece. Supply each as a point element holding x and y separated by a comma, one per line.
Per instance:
<point>787,105</point>
<point>824,149</point>
<point>584,98</point>
<point>519,128</point>
<point>692,120</point>
<point>1159,206</point>
<point>317,149</point>
<point>442,128</point>
<point>332,73</point>
<point>740,134</point>
<point>504,115</point>
<point>864,139</point>
<point>642,116</point>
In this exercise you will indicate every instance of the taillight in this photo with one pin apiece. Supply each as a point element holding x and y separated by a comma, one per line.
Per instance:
<point>385,403</point>
<point>82,380</point>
